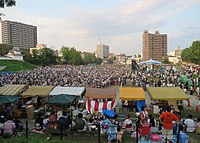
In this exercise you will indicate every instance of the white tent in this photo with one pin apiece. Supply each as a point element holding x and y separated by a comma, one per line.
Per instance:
<point>151,62</point>
<point>78,91</point>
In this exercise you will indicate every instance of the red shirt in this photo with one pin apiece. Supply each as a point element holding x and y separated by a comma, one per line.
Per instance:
<point>168,117</point>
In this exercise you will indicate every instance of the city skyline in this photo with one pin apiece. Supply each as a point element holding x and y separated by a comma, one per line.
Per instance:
<point>119,23</point>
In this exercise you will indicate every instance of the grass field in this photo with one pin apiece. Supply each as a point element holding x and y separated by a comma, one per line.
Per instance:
<point>13,65</point>
<point>37,138</point>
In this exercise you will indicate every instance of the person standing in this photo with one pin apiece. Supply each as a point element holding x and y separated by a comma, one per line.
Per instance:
<point>190,125</point>
<point>166,118</point>
<point>143,115</point>
<point>109,129</point>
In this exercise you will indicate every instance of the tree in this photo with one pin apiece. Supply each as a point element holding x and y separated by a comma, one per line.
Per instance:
<point>99,61</point>
<point>192,54</point>
<point>66,54</point>
<point>111,60</point>
<point>71,56</point>
<point>166,61</point>
<point>47,56</point>
<point>89,58</point>
<point>75,57</point>
<point>35,57</point>
<point>7,3</point>
<point>4,49</point>
<point>27,55</point>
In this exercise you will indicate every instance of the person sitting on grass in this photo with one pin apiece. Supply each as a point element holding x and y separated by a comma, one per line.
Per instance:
<point>80,123</point>
<point>64,121</point>
<point>127,124</point>
<point>39,123</point>
<point>9,127</point>
<point>18,124</point>
<point>46,121</point>
<point>52,120</point>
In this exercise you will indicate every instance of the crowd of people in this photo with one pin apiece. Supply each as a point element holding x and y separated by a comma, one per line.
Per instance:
<point>102,76</point>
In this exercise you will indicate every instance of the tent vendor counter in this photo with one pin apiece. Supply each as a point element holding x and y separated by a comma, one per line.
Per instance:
<point>167,93</point>
<point>98,99</point>
<point>167,96</point>
<point>135,97</point>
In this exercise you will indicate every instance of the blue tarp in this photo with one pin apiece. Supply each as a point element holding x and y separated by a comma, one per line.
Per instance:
<point>110,113</point>
<point>139,104</point>
<point>6,73</point>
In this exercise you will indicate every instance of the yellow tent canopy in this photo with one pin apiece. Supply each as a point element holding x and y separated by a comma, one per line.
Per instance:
<point>130,93</point>
<point>167,93</point>
<point>11,89</point>
<point>41,91</point>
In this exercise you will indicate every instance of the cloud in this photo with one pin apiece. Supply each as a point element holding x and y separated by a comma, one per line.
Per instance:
<point>119,26</point>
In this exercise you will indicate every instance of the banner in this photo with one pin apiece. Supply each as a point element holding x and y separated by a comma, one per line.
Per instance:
<point>96,106</point>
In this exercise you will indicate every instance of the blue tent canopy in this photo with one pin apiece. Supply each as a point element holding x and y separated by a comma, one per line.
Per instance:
<point>150,62</point>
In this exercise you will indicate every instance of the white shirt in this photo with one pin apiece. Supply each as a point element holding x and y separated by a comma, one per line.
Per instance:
<point>190,125</point>
<point>127,122</point>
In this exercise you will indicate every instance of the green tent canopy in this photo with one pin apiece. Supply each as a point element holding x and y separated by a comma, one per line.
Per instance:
<point>8,99</point>
<point>183,79</point>
<point>61,99</point>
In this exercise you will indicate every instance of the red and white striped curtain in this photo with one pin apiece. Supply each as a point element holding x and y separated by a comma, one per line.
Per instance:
<point>96,106</point>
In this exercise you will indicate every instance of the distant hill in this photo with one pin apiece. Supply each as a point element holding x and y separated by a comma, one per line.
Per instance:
<point>14,65</point>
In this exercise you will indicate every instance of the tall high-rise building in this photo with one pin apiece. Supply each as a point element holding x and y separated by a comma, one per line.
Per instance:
<point>154,46</point>
<point>102,51</point>
<point>19,34</point>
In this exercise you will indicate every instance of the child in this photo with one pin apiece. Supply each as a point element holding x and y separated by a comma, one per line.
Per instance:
<point>119,135</point>
<point>152,121</point>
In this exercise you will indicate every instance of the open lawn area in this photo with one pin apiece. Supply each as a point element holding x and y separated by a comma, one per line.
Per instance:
<point>38,138</point>
<point>13,65</point>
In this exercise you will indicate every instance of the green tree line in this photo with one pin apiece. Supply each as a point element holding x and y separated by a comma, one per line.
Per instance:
<point>192,54</point>
<point>47,56</point>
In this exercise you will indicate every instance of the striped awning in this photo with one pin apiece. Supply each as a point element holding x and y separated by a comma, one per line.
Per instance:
<point>11,89</point>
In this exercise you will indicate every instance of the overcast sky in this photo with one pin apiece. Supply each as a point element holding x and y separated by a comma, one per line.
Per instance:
<point>117,23</point>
